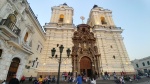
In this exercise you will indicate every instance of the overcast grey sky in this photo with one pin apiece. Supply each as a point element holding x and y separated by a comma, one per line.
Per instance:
<point>131,15</point>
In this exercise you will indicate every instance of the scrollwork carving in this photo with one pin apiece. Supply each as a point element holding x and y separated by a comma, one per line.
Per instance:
<point>75,49</point>
<point>83,39</point>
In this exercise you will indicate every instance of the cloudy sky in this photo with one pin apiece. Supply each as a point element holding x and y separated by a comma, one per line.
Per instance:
<point>131,15</point>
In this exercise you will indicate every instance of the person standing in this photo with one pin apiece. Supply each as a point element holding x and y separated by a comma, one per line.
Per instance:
<point>115,76</point>
<point>22,79</point>
<point>66,76</point>
<point>93,80</point>
<point>49,79</point>
<point>40,79</point>
<point>79,79</point>
<point>63,76</point>
<point>14,80</point>
<point>35,81</point>
<point>96,75</point>
<point>30,79</point>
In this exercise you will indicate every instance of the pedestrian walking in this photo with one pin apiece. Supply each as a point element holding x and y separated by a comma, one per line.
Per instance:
<point>79,79</point>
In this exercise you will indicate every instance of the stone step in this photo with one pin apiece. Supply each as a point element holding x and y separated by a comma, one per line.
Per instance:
<point>105,82</point>
<point>64,82</point>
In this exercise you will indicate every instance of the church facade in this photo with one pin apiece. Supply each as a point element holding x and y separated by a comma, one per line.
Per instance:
<point>25,49</point>
<point>95,47</point>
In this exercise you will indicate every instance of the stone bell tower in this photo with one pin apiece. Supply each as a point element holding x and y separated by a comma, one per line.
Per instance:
<point>62,14</point>
<point>59,31</point>
<point>100,16</point>
<point>109,41</point>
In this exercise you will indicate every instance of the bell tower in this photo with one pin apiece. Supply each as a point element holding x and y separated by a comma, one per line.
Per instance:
<point>109,41</point>
<point>100,16</point>
<point>59,31</point>
<point>62,14</point>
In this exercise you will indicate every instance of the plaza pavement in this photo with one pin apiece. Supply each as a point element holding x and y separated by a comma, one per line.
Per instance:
<point>100,81</point>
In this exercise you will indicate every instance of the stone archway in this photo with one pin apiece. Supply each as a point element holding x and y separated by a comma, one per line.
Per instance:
<point>86,66</point>
<point>13,68</point>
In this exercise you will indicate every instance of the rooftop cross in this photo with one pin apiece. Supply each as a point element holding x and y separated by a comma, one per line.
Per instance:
<point>82,18</point>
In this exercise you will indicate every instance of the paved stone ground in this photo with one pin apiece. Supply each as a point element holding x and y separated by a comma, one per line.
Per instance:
<point>100,81</point>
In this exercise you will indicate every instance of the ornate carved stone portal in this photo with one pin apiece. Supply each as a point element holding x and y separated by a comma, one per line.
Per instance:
<point>85,57</point>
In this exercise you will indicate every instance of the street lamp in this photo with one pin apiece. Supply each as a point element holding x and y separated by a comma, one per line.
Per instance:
<point>61,50</point>
<point>92,70</point>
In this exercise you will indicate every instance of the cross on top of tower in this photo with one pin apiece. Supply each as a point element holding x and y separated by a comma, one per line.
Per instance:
<point>82,18</point>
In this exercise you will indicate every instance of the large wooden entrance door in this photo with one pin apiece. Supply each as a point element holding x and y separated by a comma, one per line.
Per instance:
<point>85,66</point>
<point>13,68</point>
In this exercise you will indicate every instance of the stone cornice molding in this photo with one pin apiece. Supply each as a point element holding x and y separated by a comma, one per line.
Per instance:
<point>34,18</point>
<point>10,1</point>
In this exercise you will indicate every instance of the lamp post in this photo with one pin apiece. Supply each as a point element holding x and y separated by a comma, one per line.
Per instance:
<point>61,50</point>
<point>93,70</point>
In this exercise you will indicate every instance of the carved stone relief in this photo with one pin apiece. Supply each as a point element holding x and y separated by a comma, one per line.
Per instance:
<point>84,42</point>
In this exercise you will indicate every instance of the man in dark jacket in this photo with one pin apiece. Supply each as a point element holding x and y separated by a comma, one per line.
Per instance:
<point>14,80</point>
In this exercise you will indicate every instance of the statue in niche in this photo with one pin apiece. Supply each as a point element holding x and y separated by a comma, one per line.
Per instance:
<point>75,49</point>
<point>95,49</point>
<point>89,50</point>
<point>80,50</point>
<point>85,45</point>
<point>81,44</point>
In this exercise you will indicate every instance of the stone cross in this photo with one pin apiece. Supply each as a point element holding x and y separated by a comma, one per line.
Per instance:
<point>82,18</point>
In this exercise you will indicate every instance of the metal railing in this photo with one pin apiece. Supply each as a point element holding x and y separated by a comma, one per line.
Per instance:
<point>11,26</point>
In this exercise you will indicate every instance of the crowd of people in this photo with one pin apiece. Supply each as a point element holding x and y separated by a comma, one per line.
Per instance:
<point>66,76</point>
<point>69,77</point>
<point>120,78</point>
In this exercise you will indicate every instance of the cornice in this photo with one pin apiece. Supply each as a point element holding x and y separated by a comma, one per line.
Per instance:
<point>34,18</point>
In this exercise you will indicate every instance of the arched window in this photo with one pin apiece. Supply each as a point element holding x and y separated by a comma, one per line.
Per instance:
<point>103,20</point>
<point>25,37</point>
<point>61,18</point>
<point>10,21</point>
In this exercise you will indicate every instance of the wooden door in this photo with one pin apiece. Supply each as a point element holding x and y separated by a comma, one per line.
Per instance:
<point>13,68</point>
<point>85,66</point>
